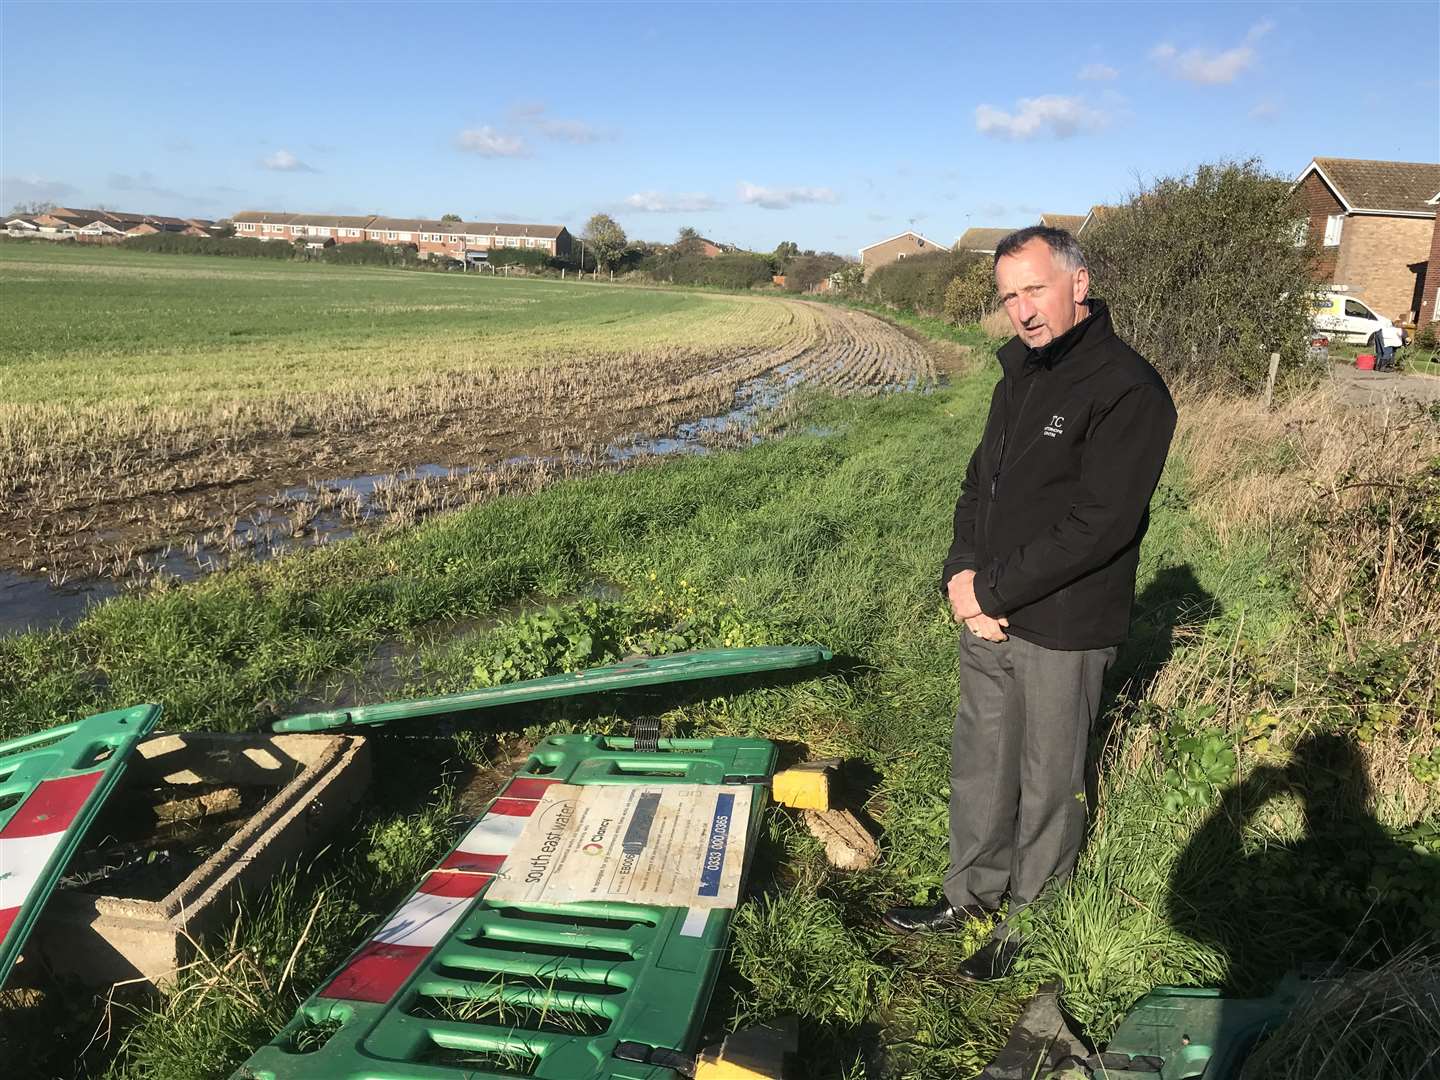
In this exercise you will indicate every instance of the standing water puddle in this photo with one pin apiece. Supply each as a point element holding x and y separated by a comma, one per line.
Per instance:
<point>295,518</point>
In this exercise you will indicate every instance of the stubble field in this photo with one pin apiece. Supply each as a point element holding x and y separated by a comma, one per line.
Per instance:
<point>149,403</point>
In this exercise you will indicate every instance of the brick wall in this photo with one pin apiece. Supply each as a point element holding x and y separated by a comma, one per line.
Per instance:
<point>1429,303</point>
<point>1319,203</point>
<point>1376,253</point>
<point>881,254</point>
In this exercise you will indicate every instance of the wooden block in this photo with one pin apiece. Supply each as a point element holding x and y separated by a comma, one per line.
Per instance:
<point>848,846</point>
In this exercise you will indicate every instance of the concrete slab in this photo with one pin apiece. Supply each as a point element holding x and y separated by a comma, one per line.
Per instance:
<point>317,780</point>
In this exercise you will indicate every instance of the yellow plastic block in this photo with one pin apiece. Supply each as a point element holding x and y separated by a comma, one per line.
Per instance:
<point>803,788</point>
<point>756,1053</point>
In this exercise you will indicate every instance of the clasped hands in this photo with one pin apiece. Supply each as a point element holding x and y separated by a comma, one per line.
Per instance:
<point>966,609</point>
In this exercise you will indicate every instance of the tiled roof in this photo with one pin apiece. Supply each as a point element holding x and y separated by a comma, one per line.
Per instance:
<point>1069,222</point>
<point>981,239</point>
<point>263,217</point>
<point>333,221</point>
<point>1403,187</point>
<point>395,224</point>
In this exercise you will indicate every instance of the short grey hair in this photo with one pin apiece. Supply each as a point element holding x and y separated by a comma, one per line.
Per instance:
<point>1062,245</point>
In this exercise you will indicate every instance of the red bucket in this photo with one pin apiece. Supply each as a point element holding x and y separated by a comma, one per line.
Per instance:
<point>1365,361</point>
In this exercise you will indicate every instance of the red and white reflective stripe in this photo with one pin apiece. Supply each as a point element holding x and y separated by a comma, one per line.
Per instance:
<point>31,836</point>
<point>396,951</point>
<point>486,846</point>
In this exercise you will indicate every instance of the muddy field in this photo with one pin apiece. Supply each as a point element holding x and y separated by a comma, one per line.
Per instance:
<point>115,487</point>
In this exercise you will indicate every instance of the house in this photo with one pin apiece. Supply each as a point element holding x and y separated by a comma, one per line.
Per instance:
<point>1374,222</point>
<point>445,239</point>
<point>711,249</point>
<point>1430,276</point>
<point>263,225</point>
<point>22,225</point>
<point>883,252</point>
<point>982,241</point>
<point>1095,215</point>
<point>1069,222</point>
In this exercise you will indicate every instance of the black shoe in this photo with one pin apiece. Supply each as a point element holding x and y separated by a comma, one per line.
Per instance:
<point>994,960</point>
<point>937,918</point>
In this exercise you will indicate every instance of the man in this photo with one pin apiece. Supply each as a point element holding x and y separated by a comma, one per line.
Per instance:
<point>1041,575</point>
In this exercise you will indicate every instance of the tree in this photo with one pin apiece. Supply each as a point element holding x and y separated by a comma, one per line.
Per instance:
<point>605,239</point>
<point>35,206</point>
<point>1203,274</point>
<point>450,217</point>
<point>688,242</point>
<point>785,251</point>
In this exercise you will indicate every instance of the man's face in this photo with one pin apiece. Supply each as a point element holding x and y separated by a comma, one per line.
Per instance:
<point>1042,297</point>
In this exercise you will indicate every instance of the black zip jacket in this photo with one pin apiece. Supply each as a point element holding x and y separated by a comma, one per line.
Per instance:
<point>1056,498</point>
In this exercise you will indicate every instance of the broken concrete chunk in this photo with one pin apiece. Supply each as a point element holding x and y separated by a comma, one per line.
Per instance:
<point>848,845</point>
<point>753,1053</point>
<point>221,801</point>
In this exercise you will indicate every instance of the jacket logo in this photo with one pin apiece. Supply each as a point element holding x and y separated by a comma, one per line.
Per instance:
<point>1056,427</point>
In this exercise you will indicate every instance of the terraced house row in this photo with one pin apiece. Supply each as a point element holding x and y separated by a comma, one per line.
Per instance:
<point>470,240</point>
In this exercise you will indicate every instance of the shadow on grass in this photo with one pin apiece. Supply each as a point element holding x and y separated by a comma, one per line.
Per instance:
<point>1347,891</point>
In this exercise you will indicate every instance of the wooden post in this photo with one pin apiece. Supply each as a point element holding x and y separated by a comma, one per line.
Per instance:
<point>1270,382</point>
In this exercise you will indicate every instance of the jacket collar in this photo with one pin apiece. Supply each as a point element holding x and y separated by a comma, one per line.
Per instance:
<point>1069,348</point>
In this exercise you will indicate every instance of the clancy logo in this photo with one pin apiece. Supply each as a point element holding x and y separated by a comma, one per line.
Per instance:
<point>1055,427</point>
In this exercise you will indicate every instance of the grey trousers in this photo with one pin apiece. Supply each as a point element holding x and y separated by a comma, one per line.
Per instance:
<point>1017,767</point>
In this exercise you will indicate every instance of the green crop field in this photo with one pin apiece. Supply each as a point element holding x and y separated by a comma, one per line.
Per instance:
<point>89,325</point>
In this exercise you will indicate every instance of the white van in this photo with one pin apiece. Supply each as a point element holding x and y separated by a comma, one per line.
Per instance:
<point>1345,317</point>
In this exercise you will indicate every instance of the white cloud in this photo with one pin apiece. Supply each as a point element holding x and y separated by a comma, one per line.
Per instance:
<point>1266,110</point>
<point>535,115</point>
<point>1207,66</point>
<point>1048,116</point>
<point>1097,73</point>
<point>15,190</point>
<point>487,142</point>
<point>284,161</point>
<point>656,202</point>
<point>771,198</point>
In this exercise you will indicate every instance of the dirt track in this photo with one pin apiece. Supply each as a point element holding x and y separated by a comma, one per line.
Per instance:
<point>1384,387</point>
<point>86,507</point>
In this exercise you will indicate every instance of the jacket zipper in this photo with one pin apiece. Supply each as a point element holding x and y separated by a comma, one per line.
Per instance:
<point>1005,432</point>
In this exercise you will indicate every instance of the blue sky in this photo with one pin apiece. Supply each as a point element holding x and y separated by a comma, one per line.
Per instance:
<point>831,125</point>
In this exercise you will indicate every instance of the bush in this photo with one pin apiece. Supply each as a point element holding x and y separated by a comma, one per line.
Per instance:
<point>526,257</point>
<point>804,272</point>
<point>919,282</point>
<point>178,244</point>
<point>1426,338</point>
<point>1203,274</point>
<point>738,271</point>
<point>971,296</point>
<point>369,253</point>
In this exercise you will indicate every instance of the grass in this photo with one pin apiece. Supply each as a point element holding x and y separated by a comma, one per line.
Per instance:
<point>1244,634</point>
<point>100,325</point>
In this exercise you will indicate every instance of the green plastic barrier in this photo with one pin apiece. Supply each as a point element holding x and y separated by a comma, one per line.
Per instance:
<point>1177,1033</point>
<point>52,783</point>
<point>453,986</point>
<point>644,671</point>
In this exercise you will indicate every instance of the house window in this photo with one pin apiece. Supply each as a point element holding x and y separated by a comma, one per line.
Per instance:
<point>389,236</point>
<point>1333,225</point>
